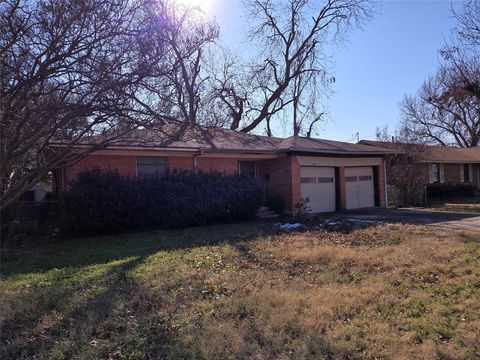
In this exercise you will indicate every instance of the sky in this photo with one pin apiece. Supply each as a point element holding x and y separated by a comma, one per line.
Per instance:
<point>374,69</point>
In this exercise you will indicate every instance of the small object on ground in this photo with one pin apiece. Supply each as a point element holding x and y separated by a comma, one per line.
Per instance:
<point>365,221</point>
<point>330,222</point>
<point>289,226</point>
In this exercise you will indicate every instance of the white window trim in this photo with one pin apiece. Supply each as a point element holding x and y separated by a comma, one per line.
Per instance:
<point>440,173</point>
<point>462,173</point>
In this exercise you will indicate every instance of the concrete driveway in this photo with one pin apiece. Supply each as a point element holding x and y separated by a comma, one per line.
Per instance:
<point>450,220</point>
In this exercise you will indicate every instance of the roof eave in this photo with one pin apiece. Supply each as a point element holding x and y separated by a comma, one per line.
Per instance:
<point>449,161</point>
<point>337,152</point>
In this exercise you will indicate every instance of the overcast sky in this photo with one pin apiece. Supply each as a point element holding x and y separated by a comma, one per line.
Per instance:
<point>391,57</point>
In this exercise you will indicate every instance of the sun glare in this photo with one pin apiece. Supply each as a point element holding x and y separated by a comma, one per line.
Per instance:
<point>204,5</point>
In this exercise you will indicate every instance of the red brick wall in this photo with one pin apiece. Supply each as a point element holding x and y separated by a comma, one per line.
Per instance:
<point>451,173</point>
<point>227,166</point>
<point>125,165</point>
<point>284,178</point>
<point>180,163</point>
<point>381,184</point>
<point>296,190</point>
<point>343,190</point>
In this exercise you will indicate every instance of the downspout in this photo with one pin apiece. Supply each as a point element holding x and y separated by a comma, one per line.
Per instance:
<point>200,152</point>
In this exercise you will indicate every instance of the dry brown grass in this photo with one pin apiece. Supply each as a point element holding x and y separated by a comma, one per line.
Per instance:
<point>387,292</point>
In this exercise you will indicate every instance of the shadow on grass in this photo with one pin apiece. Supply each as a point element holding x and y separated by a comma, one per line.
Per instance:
<point>102,249</point>
<point>110,314</point>
<point>69,322</point>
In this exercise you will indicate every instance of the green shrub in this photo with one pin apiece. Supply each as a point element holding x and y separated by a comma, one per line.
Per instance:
<point>102,201</point>
<point>445,191</point>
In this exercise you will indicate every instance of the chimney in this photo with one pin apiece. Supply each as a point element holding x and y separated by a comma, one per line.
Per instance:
<point>393,138</point>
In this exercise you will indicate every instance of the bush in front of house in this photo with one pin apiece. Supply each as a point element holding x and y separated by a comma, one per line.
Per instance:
<point>275,201</point>
<point>446,191</point>
<point>100,201</point>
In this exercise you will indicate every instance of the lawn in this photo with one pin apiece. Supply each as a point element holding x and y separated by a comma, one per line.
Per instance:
<point>246,291</point>
<point>460,205</point>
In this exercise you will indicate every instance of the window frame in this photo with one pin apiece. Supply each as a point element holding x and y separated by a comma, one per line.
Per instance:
<point>148,175</point>
<point>435,180</point>
<point>248,161</point>
<point>467,176</point>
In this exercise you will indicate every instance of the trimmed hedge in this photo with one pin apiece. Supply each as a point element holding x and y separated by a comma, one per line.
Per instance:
<point>100,201</point>
<point>445,191</point>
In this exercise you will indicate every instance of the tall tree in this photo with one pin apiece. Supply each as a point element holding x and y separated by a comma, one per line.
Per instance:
<point>81,74</point>
<point>188,36</point>
<point>293,36</point>
<point>446,109</point>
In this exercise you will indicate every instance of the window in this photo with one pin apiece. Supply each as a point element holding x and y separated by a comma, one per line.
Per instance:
<point>351,179</point>
<point>151,165</point>
<point>246,168</point>
<point>325,180</point>
<point>365,178</point>
<point>435,174</point>
<point>466,173</point>
<point>308,180</point>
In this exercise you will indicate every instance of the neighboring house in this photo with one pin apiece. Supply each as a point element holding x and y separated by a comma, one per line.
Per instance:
<point>442,164</point>
<point>333,175</point>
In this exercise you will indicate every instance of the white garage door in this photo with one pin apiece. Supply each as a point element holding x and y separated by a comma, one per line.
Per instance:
<point>359,187</point>
<point>318,184</point>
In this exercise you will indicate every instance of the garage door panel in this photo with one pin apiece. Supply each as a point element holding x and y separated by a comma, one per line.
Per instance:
<point>318,184</point>
<point>359,187</point>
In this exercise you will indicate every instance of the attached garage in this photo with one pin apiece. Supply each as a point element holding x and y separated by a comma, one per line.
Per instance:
<point>335,182</point>
<point>359,187</point>
<point>318,185</point>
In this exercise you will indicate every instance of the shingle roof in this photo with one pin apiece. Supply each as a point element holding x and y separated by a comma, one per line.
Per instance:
<point>436,153</point>
<point>297,143</point>
<point>199,138</point>
<point>225,140</point>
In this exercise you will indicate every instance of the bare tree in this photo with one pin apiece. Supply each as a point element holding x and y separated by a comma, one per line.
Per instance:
<point>188,36</point>
<point>468,23</point>
<point>446,109</point>
<point>306,105</point>
<point>78,74</point>
<point>405,169</point>
<point>292,35</point>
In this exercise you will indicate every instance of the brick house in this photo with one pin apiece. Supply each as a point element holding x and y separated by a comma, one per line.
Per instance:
<point>442,164</point>
<point>333,175</point>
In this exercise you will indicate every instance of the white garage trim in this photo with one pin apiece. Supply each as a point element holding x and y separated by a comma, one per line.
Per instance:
<point>317,183</point>
<point>338,161</point>
<point>359,187</point>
